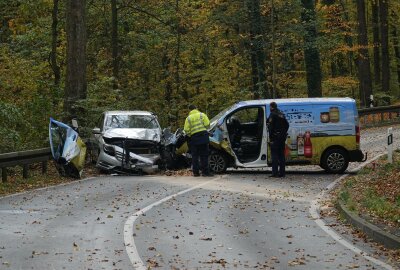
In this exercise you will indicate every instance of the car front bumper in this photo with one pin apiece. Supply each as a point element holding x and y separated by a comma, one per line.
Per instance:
<point>121,161</point>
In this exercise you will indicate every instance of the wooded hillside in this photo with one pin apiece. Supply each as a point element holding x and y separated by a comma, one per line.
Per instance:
<point>62,58</point>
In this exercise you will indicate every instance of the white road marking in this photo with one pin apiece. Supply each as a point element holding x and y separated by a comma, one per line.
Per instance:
<point>19,211</point>
<point>130,246</point>
<point>314,211</point>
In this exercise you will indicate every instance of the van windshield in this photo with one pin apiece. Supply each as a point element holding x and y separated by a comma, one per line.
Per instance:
<point>215,119</point>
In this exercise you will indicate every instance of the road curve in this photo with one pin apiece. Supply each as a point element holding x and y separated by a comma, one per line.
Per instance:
<point>242,220</point>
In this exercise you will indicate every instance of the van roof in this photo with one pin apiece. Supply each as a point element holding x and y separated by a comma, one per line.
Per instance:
<point>298,100</point>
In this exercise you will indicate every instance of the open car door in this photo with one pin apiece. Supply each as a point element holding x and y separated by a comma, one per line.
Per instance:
<point>67,148</point>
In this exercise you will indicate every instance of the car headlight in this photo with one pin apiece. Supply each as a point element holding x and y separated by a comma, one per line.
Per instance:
<point>109,149</point>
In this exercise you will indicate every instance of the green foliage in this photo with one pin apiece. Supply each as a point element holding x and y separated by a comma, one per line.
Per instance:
<point>380,205</point>
<point>10,127</point>
<point>169,56</point>
<point>340,87</point>
<point>383,99</point>
<point>344,195</point>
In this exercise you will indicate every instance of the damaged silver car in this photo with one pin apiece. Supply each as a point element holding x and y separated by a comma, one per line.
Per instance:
<point>128,141</point>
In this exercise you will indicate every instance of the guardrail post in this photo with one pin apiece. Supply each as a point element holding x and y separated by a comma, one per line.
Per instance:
<point>390,144</point>
<point>4,174</point>
<point>25,171</point>
<point>44,167</point>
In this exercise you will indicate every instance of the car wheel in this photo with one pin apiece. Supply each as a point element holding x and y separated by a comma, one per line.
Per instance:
<point>217,162</point>
<point>335,161</point>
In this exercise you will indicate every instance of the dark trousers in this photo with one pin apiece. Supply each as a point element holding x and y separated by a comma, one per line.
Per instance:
<point>278,159</point>
<point>199,151</point>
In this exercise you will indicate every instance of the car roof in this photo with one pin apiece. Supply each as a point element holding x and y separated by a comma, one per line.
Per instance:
<point>128,113</point>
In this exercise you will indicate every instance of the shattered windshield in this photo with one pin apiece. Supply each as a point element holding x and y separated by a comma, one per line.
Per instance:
<point>131,121</point>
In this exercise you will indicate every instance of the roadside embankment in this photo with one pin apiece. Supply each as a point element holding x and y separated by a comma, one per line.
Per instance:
<point>370,200</point>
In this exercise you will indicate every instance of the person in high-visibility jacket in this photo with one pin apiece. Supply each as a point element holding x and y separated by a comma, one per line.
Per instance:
<point>196,125</point>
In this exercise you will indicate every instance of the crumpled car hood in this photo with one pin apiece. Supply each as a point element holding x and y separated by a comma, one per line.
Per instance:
<point>134,133</point>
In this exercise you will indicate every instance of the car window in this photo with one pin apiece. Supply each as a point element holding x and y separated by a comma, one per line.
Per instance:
<point>248,115</point>
<point>131,121</point>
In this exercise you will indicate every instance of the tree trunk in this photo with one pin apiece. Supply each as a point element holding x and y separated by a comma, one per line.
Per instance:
<point>75,84</point>
<point>166,64</point>
<point>364,72</point>
<point>114,43</point>
<point>376,41</point>
<point>396,46</point>
<point>311,51</point>
<point>178,50</point>
<point>348,38</point>
<point>54,39</point>
<point>383,13</point>
<point>257,50</point>
<point>254,74</point>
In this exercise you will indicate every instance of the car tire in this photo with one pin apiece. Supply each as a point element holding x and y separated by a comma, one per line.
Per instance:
<point>335,161</point>
<point>217,162</point>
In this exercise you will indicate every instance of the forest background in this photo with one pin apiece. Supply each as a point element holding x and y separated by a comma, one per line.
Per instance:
<point>65,58</point>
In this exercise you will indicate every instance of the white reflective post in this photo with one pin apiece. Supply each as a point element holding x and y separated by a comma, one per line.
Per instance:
<point>390,144</point>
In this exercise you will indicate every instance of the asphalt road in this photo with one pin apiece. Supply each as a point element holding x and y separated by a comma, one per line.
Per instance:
<point>240,220</point>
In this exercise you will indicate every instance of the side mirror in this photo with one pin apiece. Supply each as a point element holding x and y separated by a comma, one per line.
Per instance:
<point>96,131</point>
<point>74,123</point>
<point>166,130</point>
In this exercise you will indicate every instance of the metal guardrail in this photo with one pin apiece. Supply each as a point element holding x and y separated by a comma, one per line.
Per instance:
<point>24,158</point>
<point>379,115</point>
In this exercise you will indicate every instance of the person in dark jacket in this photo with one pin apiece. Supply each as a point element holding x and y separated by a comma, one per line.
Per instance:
<point>277,128</point>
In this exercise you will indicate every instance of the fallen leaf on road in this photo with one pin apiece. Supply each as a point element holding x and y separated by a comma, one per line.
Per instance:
<point>76,247</point>
<point>220,261</point>
<point>295,262</point>
<point>152,263</point>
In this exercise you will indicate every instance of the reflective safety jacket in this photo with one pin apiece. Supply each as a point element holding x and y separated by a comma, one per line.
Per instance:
<point>196,122</point>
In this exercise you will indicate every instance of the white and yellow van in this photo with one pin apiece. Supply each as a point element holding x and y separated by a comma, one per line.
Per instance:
<point>323,131</point>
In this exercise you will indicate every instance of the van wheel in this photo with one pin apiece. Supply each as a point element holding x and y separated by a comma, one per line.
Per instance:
<point>335,161</point>
<point>217,162</point>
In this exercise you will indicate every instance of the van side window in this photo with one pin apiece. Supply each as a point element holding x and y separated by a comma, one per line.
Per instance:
<point>248,115</point>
